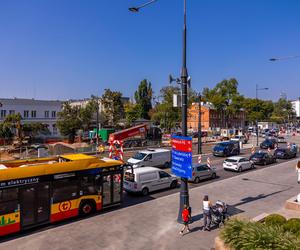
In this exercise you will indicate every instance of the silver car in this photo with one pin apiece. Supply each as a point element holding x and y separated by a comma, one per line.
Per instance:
<point>201,172</point>
<point>237,163</point>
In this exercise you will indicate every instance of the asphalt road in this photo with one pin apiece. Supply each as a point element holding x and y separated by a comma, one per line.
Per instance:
<point>132,199</point>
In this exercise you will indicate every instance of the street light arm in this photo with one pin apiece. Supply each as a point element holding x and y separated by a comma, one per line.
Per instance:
<point>283,58</point>
<point>136,9</point>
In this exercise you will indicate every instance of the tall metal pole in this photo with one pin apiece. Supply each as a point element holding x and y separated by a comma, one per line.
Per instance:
<point>199,127</point>
<point>184,191</point>
<point>256,90</point>
<point>97,128</point>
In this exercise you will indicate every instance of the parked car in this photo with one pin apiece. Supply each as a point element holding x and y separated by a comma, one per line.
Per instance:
<point>262,158</point>
<point>227,148</point>
<point>202,171</point>
<point>237,163</point>
<point>281,139</point>
<point>148,179</point>
<point>268,143</point>
<point>240,138</point>
<point>151,158</point>
<point>285,153</point>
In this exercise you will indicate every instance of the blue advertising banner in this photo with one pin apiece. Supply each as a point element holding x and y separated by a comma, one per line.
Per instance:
<point>182,156</point>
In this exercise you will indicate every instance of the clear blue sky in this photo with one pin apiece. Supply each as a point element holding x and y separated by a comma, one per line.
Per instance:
<point>63,49</point>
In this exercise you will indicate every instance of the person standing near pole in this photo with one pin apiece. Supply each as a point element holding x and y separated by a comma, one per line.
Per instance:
<point>298,171</point>
<point>206,213</point>
<point>186,216</point>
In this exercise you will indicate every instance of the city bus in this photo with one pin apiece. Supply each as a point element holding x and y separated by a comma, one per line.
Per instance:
<point>47,190</point>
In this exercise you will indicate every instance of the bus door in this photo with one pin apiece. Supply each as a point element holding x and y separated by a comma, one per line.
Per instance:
<point>111,189</point>
<point>35,204</point>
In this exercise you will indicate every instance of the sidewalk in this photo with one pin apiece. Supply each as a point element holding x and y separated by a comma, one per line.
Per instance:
<point>152,225</point>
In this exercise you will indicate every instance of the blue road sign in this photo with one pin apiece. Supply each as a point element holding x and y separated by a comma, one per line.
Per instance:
<point>182,156</point>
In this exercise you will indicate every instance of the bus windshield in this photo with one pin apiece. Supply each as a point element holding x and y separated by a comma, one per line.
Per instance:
<point>139,156</point>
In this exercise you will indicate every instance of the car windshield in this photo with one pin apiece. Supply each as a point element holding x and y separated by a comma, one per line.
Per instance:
<point>258,155</point>
<point>139,156</point>
<point>231,160</point>
<point>223,145</point>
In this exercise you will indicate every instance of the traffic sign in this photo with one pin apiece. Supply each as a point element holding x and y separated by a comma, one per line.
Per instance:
<point>182,156</point>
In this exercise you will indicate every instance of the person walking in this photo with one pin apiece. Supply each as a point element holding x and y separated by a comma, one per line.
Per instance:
<point>186,215</point>
<point>206,213</point>
<point>298,171</point>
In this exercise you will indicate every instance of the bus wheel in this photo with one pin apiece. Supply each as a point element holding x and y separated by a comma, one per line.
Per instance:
<point>87,207</point>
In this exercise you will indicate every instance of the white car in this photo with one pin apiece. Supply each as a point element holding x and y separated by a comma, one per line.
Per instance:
<point>281,139</point>
<point>148,179</point>
<point>239,138</point>
<point>237,163</point>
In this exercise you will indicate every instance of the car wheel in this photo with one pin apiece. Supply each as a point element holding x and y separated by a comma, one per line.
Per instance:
<point>145,191</point>
<point>265,163</point>
<point>214,176</point>
<point>252,166</point>
<point>240,169</point>
<point>197,180</point>
<point>173,184</point>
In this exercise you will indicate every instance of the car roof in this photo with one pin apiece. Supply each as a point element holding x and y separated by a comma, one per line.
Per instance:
<point>154,150</point>
<point>143,170</point>
<point>236,157</point>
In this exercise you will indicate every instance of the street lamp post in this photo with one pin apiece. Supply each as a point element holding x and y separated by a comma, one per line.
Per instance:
<point>199,127</point>
<point>256,97</point>
<point>184,192</point>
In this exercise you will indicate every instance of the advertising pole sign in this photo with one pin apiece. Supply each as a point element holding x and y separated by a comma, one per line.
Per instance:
<point>182,156</point>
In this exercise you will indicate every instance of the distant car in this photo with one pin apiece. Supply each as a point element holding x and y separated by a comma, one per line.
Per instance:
<point>240,138</point>
<point>268,143</point>
<point>262,158</point>
<point>202,171</point>
<point>284,153</point>
<point>237,163</point>
<point>281,139</point>
<point>226,148</point>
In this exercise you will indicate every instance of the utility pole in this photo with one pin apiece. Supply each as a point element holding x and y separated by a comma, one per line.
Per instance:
<point>199,127</point>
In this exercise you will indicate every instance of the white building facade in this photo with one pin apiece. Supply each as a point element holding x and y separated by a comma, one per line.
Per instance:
<point>31,110</point>
<point>296,107</point>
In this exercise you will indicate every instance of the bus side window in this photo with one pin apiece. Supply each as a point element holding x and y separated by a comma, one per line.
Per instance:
<point>98,183</point>
<point>65,190</point>
<point>88,185</point>
<point>8,200</point>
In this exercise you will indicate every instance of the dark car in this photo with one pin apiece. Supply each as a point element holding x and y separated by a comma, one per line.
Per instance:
<point>284,153</point>
<point>226,148</point>
<point>262,158</point>
<point>269,143</point>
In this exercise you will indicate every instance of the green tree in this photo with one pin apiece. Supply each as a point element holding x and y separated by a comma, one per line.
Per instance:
<point>88,112</point>
<point>35,128</point>
<point>225,97</point>
<point>283,111</point>
<point>113,107</point>
<point>143,98</point>
<point>164,114</point>
<point>5,131</point>
<point>132,112</point>
<point>69,121</point>
<point>14,121</point>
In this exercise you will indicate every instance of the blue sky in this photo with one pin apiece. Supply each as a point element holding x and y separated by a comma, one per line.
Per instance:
<point>63,49</point>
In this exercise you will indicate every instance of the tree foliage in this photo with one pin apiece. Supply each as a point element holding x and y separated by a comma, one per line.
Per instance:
<point>143,98</point>
<point>113,107</point>
<point>133,112</point>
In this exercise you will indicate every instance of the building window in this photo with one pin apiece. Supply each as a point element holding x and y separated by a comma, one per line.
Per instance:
<point>26,113</point>
<point>33,113</point>
<point>3,113</point>
<point>11,112</point>
<point>46,114</point>
<point>53,114</point>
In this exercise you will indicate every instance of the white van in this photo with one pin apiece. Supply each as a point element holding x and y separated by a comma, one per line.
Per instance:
<point>151,158</point>
<point>148,179</point>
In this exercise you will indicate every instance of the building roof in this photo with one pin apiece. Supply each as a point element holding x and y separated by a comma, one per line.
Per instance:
<point>23,101</point>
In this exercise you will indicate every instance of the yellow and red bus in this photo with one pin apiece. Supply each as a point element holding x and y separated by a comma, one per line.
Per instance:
<point>45,190</point>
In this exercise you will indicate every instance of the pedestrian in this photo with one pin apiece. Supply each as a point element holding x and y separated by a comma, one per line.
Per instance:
<point>298,171</point>
<point>186,216</point>
<point>206,213</point>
